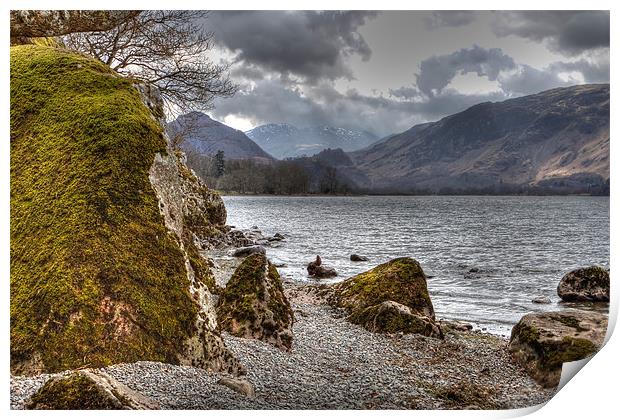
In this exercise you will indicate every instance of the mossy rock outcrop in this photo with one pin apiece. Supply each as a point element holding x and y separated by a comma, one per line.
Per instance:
<point>99,272</point>
<point>88,390</point>
<point>392,317</point>
<point>542,342</point>
<point>372,298</point>
<point>254,305</point>
<point>590,284</point>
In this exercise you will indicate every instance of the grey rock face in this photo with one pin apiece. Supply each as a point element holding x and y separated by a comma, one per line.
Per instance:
<point>191,211</point>
<point>585,284</point>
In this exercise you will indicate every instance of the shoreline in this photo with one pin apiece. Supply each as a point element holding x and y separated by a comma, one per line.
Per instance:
<point>335,364</point>
<point>236,194</point>
<point>338,365</point>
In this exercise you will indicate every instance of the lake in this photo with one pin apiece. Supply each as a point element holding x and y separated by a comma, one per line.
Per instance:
<point>489,256</point>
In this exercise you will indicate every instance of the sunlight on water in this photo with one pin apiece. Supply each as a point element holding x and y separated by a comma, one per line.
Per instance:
<point>521,246</point>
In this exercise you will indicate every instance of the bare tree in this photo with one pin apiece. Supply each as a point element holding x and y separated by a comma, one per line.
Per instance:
<point>26,24</point>
<point>167,48</point>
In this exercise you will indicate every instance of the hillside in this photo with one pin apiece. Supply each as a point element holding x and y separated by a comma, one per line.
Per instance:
<point>285,140</point>
<point>103,267</point>
<point>202,135</point>
<point>555,141</point>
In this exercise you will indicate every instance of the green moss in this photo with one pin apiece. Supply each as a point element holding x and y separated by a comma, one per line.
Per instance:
<point>525,333</point>
<point>250,303</point>
<point>400,280</point>
<point>567,350</point>
<point>595,272</point>
<point>569,321</point>
<point>243,289</point>
<point>75,392</point>
<point>278,304</point>
<point>85,223</point>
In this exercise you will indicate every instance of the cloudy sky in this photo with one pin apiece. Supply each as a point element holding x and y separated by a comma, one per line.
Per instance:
<point>387,71</point>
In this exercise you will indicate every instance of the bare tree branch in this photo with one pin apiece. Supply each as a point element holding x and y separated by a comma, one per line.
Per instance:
<point>167,48</point>
<point>47,23</point>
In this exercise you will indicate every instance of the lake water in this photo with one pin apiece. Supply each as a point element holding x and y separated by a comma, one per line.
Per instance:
<point>521,246</point>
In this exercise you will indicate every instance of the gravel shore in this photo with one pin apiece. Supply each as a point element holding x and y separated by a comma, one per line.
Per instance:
<point>338,365</point>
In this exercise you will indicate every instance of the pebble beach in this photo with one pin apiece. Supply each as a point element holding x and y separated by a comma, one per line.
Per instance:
<point>338,365</point>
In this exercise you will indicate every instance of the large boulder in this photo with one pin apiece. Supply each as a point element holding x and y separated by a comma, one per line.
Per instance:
<point>253,304</point>
<point>88,390</point>
<point>391,297</point>
<point>392,317</point>
<point>585,284</point>
<point>542,342</point>
<point>103,265</point>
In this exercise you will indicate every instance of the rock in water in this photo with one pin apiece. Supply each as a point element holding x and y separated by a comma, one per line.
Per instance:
<point>276,238</point>
<point>253,305</point>
<point>355,257</point>
<point>541,300</point>
<point>88,390</point>
<point>542,342</point>
<point>318,270</point>
<point>242,386</point>
<point>585,284</point>
<point>248,250</point>
<point>104,268</point>
<point>373,298</point>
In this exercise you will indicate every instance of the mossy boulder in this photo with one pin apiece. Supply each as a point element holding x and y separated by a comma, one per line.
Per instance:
<point>253,304</point>
<point>88,390</point>
<point>98,274</point>
<point>585,284</point>
<point>392,317</point>
<point>369,297</point>
<point>542,342</point>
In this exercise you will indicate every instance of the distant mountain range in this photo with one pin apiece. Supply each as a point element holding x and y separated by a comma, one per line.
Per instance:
<point>205,136</point>
<point>556,141</point>
<point>285,140</point>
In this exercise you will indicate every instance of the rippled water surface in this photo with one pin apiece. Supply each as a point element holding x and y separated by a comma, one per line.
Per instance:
<point>521,246</point>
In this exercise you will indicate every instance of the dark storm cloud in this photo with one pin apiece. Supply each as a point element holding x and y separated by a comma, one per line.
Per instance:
<point>568,32</point>
<point>271,101</point>
<point>449,18</point>
<point>312,45</point>
<point>405,92</point>
<point>288,65</point>
<point>592,71</point>
<point>437,71</point>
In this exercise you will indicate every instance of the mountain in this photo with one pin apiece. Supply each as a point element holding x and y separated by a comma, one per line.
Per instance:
<point>285,140</point>
<point>203,135</point>
<point>555,141</point>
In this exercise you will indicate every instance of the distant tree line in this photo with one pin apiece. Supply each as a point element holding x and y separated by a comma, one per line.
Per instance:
<point>315,175</point>
<point>254,176</point>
